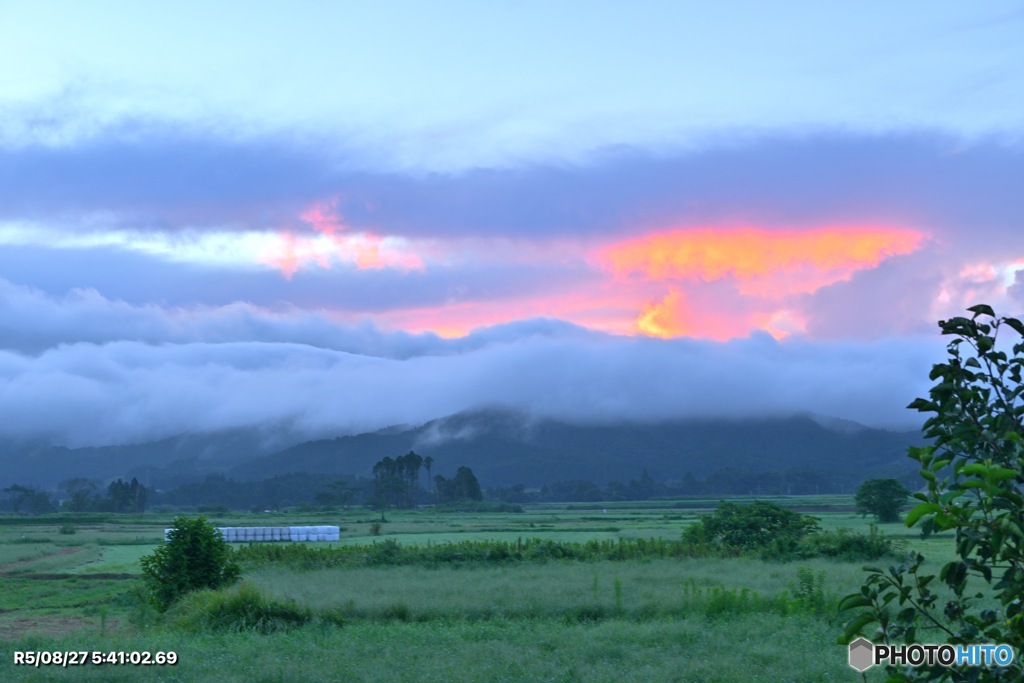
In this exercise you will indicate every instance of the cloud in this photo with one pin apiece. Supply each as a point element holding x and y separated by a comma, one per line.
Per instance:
<point>161,177</point>
<point>153,176</point>
<point>141,278</point>
<point>898,297</point>
<point>755,256</point>
<point>774,232</point>
<point>83,370</point>
<point>362,250</point>
<point>1016,290</point>
<point>32,322</point>
<point>766,270</point>
<point>127,391</point>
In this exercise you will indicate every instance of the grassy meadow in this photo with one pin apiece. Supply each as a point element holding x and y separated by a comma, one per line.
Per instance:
<point>546,619</point>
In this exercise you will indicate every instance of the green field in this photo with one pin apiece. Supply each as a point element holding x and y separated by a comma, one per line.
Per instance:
<point>646,619</point>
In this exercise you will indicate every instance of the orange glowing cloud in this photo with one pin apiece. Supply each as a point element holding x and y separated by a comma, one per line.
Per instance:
<point>676,315</point>
<point>708,283</point>
<point>763,262</point>
<point>668,317</point>
<point>765,267</point>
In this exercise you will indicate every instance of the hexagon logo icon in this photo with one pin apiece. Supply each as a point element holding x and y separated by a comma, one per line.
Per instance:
<point>862,653</point>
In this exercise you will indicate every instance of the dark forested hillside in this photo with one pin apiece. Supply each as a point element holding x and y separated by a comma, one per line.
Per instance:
<point>504,448</point>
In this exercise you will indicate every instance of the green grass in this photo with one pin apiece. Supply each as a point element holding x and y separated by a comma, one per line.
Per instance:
<point>10,552</point>
<point>636,590</point>
<point>571,535</point>
<point>685,649</point>
<point>709,619</point>
<point>117,559</point>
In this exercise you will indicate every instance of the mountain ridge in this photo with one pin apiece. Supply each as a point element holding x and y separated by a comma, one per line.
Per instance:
<point>503,447</point>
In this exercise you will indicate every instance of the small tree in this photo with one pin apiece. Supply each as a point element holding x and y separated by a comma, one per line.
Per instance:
<point>883,498</point>
<point>974,476</point>
<point>195,556</point>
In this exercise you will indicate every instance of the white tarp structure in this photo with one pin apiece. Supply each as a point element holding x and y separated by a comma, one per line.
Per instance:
<point>264,534</point>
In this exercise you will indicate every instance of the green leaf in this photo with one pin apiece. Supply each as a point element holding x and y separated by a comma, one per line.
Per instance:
<point>921,510</point>
<point>1012,527</point>
<point>854,627</point>
<point>1015,324</point>
<point>997,474</point>
<point>852,601</point>
<point>982,309</point>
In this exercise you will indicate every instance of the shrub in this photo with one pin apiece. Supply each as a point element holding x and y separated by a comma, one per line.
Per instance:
<point>194,557</point>
<point>849,545</point>
<point>758,526</point>
<point>240,608</point>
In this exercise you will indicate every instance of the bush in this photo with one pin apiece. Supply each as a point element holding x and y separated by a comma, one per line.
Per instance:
<point>194,557</point>
<point>241,608</point>
<point>758,526</point>
<point>851,546</point>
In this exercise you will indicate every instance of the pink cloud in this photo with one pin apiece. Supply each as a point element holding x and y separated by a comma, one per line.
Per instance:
<point>335,244</point>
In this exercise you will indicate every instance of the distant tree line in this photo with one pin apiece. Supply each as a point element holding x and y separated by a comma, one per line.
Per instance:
<point>399,482</point>
<point>395,483</point>
<point>85,495</point>
<point>79,495</point>
<point>303,489</point>
<point>726,482</point>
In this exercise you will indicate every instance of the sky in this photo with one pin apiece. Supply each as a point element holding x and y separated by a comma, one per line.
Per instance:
<point>330,217</point>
